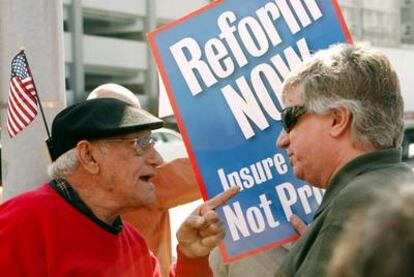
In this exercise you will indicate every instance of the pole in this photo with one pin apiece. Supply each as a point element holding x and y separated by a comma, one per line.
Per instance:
<point>151,80</point>
<point>77,72</point>
<point>37,25</point>
<point>37,95</point>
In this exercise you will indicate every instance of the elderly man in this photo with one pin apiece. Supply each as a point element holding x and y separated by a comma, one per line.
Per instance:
<point>72,226</point>
<point>343,129</point>
<point>174,182</point>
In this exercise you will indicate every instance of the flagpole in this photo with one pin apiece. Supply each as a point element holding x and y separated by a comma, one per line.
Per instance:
<point>36,94</point>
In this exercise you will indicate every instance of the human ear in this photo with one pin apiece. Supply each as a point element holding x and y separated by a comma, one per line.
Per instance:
<point>340,121</point>
<point>87,156</point>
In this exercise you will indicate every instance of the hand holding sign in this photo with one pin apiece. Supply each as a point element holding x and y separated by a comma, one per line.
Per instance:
<point>203,230</point>
<point>298,224</point>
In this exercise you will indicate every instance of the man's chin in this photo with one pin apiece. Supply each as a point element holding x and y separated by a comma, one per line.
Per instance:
<point>152,197</point>
<point>145,200</point>
<point>152,201</point>
<point>298,173</point>
<point>147,203</point>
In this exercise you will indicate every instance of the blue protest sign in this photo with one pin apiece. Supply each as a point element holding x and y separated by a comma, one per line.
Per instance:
<point>223,67</point>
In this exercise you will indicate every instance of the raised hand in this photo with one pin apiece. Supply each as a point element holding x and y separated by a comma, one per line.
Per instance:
<point>203,230</point>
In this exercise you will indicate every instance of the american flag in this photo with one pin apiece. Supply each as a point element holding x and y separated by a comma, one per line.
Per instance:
<point>22,104</point>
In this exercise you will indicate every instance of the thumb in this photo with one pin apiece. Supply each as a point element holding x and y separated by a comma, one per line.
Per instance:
<point>298,224</point>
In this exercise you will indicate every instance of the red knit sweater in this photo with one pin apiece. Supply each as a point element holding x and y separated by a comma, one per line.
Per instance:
<point>43,235</point>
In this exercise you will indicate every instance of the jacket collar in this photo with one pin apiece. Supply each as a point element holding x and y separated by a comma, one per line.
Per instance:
<point>356,167</point>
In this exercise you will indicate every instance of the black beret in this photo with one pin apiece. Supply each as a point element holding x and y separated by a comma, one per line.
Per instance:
<point>97,119</point>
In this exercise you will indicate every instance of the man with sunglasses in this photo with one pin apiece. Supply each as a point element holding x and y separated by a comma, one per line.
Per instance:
<point>343,126</point>
<point>103,160</point>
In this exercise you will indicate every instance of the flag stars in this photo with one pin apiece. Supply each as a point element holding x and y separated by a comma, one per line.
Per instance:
<point>19,67</point>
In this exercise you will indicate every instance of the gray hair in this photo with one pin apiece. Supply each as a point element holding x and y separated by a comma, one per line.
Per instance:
<point>359,79</point>
<point>64,165</point>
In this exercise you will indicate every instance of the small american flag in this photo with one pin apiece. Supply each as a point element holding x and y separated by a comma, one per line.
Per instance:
<point>22,104</point>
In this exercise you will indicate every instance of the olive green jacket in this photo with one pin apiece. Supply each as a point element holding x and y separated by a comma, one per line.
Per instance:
<point>359,183</point>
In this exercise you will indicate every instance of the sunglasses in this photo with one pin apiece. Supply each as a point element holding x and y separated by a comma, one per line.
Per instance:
<point>291,115</point>
<point>141,144</point>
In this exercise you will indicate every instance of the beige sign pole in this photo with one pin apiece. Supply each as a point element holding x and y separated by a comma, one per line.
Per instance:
<point>36,25</point>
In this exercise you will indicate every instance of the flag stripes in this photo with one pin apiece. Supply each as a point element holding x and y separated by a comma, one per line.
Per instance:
<point>22,102</point>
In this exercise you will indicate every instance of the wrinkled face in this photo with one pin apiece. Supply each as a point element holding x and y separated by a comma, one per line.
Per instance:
<point>305,141</point>
<point>127,166</point>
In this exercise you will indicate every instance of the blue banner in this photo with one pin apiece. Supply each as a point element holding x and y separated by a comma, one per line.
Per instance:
<point>223,67</point>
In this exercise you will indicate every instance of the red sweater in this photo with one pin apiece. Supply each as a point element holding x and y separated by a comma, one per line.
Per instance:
<point>43,235</point>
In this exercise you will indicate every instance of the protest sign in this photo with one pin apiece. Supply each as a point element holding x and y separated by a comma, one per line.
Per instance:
<point>223,68</point>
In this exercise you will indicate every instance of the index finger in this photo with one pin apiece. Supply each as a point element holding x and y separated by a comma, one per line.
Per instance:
<point>219,199</point>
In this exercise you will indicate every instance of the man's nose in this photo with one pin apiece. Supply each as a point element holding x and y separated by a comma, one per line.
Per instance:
<point>283,140</point>
<point>154,157</point>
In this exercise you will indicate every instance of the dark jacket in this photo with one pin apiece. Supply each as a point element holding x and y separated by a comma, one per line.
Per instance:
<point>359,183</point>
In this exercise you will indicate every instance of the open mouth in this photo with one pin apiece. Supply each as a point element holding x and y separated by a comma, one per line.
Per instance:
<point>146,178</point>
<point>291,159</point>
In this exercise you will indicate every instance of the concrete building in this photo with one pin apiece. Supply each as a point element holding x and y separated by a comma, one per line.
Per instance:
<point>385,23</point>
<point>105,42</point>
<point>389,26</point>
<point>407,21</point>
